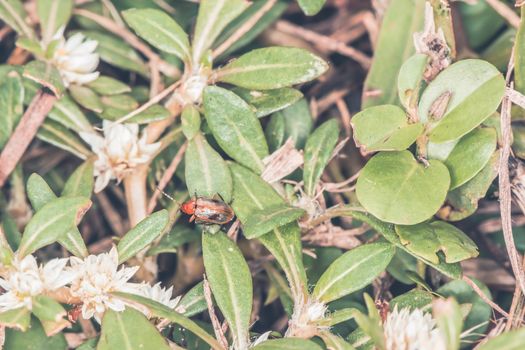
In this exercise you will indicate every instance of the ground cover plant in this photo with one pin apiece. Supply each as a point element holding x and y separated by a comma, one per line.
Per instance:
<point>266,174</point>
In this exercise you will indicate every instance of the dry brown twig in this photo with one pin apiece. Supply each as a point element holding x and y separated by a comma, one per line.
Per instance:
<point>24,132</point>
<point>485,298</point>
<point>219,334</point>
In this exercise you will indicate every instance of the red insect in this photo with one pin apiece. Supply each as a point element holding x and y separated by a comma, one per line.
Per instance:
<point>207,211</point>
<point>74,313</point>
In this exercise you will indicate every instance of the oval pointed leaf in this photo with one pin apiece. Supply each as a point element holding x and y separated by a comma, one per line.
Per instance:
<point>46,75</point>
<point>50,313</point>
<point>206,172</point>
<point>160,30</point>
<point>129,330</point>
<point>16,318</point>
<point>80,183</point>
<point>213,17</point>
<point>235,127</point>
<point>272,68</point>
<point>57,135</point>
<point>353,270</point>
<point>470,155</point>
<point>141,235</point>
<point>231,283</point>
<point>427,239</point>
<point>317,153</point>
<point>269,101</point>
<point>512,340</point>
<point>384,128</point>
<point>13,14</point>
<point>311,7</point>
<point>410,78</point>
<point>51,222</point>
<point>104,85</point>
<point>66,112</point>
<point>476,88</point>
<point>287,344</point>
<point>191,121</point>
<point>264,221</point>
<point>53,14</point>
<point>11,105</point>
<point>394,187</point>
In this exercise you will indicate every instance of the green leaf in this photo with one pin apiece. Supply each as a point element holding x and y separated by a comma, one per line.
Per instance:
<point>51,222</point>
<point>264,221</point>
<point>295,121</point>
<point>394,45</point>
<point>387,231</point>
<point>104,85</point>
<point>53,14</point>
<point>86,97</point>
<point>129,330</point>
<point>142,235</point>
<point>160,30</point>
<point>33,339</point>
<point>269,101</point>
<point>39,194</point>
<point>11,105</point>
<point>66,112</point>
<point>394,187</point>
<point>235,127</point>
<point>161,311</point>
<point>415,299</point>
<point>287,344</point>
<point>512,340</point>
<point>384,128</point>
<point>519,55</point>
<point>117,52</point>
<point>353,271</point>
<point>191,121</point>
<point>50,313</point>
<point>311,7</point>
<point>463,201</point>
<point>13,14</point>
<point>410,78</point>
<point>480,313</point>
<point>335,342</point>
<point>206,172</point>
<point>476,89</point>
<point>57,135</point>
<point>470,155</point>
<point>80,183</point>
<point>45,74</point>
<point>251,194</point>
<point>193,302</point>
<point>17,318</point>
<point>151,114</point>
<point>272,68</point>
<point>230,282</point>
<point>213,17</point>
<point>31,45</point>
<point>170,242</point>
<point>317,153</point>
<point>427,239</point>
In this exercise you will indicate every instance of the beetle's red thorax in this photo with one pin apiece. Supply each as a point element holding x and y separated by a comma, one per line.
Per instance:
<point>188,207</point>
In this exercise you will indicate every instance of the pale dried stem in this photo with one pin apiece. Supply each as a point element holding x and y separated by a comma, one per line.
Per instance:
<point>243,29</point>
<point>135,190</point>
<point>24,133</point>
<point>219,334</point>
<point>166,177</point>
<point>131,39</point>
<point>506,12</point>
<point>484,297</point>
<point>325,42</point>
<point>505,187</point>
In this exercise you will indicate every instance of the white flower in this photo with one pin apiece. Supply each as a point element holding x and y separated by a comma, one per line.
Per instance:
<point>119,151</point>
<point>412,330</point>
<point>95,278</point>
<point>75,58</point>
<point>24,279</point>
<point>158,294</point>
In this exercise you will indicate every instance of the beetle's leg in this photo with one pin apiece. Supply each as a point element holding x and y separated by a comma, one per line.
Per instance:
<point>192,218</point>
<point>219,195</point>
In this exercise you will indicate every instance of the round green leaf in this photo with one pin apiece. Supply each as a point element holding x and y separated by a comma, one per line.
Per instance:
<point>409,79</point>
<point>426,239</point>
<point>288,344</point>
<point>384,128</point>
<point>272,68</point>
<point>470,155</point>
<point>476,88</point>
<point>396,188</point>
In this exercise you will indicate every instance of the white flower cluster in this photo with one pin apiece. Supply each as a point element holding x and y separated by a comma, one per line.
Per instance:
<point>119,151</point>
<point>75,58</point>
<point>90,280</point>
<point>412,330</point>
